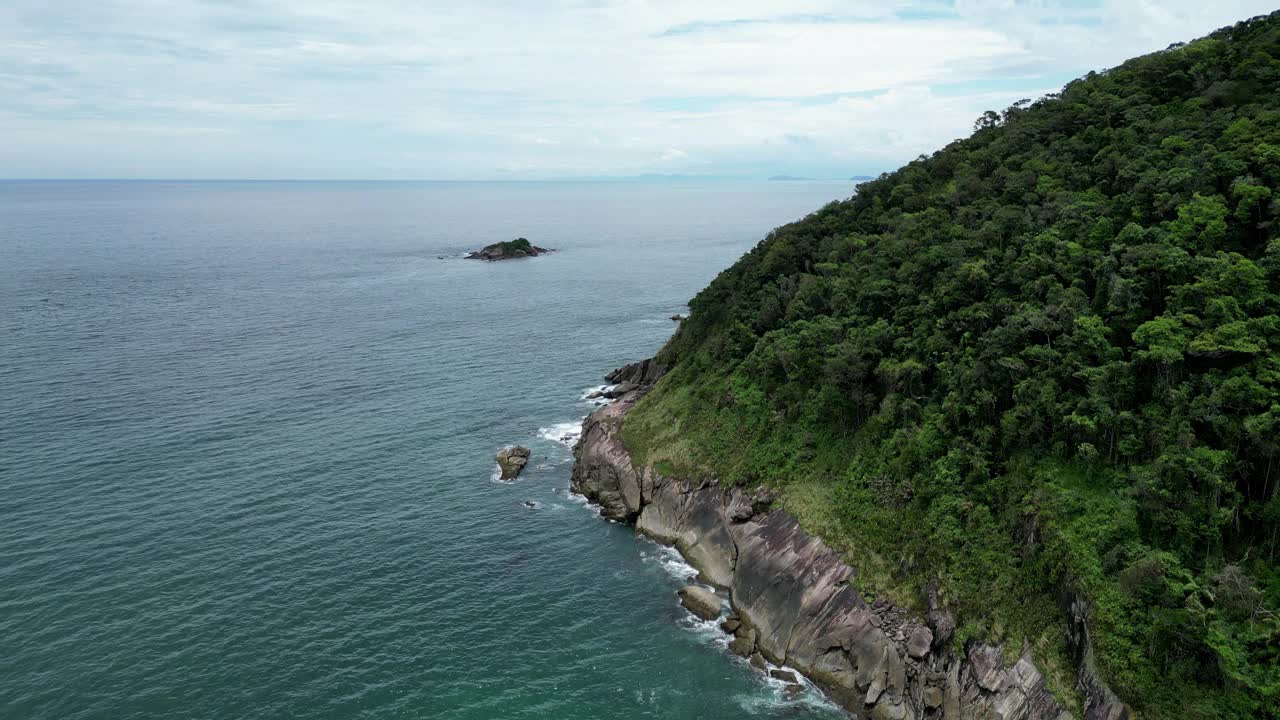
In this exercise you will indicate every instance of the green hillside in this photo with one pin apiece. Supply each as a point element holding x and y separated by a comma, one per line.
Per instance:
<point>1043,359</point>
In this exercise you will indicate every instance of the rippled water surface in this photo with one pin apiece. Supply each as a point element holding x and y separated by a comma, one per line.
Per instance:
<point>247,438</point>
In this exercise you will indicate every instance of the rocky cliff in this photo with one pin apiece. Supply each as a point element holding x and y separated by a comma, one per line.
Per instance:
<point>791,596</point>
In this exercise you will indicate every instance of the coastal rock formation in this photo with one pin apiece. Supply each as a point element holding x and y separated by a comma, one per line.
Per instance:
<point>508,250</point>
<point>792,601</point>
<point>511,461</point>
<point>614,392</point>
<point>641,374</point>
<point>700,601</point>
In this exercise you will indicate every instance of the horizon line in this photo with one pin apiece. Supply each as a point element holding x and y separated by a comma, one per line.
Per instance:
<point>589,178</point>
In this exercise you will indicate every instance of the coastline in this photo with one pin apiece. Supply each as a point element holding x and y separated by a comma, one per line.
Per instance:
<point>792,603</point>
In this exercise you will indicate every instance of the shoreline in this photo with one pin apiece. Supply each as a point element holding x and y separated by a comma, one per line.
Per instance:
<point>795,609</point>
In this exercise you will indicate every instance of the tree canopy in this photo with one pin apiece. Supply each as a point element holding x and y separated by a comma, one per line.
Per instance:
<point>1043,358</point>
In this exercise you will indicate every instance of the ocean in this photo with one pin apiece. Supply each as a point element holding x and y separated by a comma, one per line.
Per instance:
<point>247,439</point>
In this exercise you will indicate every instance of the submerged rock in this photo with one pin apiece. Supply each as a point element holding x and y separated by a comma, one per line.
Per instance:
<point>700,601</point>
<point>509,250</point>
<point>512,460</point>
<point>792,691</point>
<point>784,675</point>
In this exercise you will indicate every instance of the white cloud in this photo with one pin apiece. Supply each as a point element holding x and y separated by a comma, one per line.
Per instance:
<point>578,87</point>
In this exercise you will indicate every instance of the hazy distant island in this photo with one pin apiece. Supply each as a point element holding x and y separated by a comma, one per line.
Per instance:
<point>508,250</point>
<point>801,178</point>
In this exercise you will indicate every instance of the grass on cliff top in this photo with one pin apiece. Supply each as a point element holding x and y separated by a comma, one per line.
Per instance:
<point>1070,526</point>
<point>998,594</point>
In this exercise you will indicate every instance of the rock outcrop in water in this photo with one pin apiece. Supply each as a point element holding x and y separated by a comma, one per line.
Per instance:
<point>511,461</point>
<point>792,601</point>
<point>509,250</point>
<point>700,601</point>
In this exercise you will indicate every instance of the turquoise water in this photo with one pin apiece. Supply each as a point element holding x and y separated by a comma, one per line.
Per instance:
<point>246,450</point>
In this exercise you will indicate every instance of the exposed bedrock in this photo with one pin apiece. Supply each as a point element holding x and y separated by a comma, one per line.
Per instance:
<point>641,374</point>
<point>793,605</point>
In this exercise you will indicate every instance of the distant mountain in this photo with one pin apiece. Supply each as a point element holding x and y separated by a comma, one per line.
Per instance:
<point>862,178</point>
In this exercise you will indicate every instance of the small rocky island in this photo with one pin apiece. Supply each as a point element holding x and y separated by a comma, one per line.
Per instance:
<point>508,250</point>
<point>511,460</point>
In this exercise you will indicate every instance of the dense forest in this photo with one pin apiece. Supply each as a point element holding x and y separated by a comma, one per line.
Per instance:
<point>1042,360</point>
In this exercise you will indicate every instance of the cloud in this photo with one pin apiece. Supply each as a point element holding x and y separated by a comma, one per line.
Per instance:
<point>361,88</point>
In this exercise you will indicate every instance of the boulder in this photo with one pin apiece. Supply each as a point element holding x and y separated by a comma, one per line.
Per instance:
<point>919,643</point>
<point>700,601</point>
<point>731,625</point>
<point>758,662</point>
<point>793,691</point>
<point>932,697</point>
<point>744,642</point>
<point>784,675</point>
<point>511,460</point>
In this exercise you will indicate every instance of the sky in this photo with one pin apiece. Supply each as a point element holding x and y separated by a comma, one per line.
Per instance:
<point>512,90</point>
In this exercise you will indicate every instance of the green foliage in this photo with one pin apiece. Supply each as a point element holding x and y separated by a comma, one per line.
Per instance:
<point>1042,358</point>
<point>510,247</point>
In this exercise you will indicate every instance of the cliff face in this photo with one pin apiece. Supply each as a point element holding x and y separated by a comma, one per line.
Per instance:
<point>790,592</point>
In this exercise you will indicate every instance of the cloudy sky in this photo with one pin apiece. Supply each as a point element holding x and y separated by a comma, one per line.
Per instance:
<point>511,89</point>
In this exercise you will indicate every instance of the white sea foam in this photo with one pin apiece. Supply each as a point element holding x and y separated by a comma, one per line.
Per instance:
<point>565,433</point>
<point>672,562</point>
<point>577,498</point>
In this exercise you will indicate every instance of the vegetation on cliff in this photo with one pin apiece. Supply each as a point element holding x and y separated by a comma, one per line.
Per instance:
<point>1041,360</point>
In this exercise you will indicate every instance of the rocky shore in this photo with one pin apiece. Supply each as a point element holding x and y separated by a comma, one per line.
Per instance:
<point>791,602</point>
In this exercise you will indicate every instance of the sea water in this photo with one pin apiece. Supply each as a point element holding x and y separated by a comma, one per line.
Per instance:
<point>247,438</point>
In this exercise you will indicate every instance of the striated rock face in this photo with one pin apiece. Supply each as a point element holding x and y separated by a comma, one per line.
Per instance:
<point>792,601</point>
